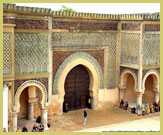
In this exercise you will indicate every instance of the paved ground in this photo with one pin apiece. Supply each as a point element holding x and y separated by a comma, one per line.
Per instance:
<point>73,120</point>
<point>147,125</point>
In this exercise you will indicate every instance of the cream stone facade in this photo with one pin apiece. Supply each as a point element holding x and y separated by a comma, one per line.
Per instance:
<point>86,60</point>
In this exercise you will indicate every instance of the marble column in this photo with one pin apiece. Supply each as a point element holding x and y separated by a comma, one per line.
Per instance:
<point>5,106</point>
<point>157,97</point>
<point>44,118</point>
<point>122,93</point>
<point>30,111</point>
<point>139,98</point>
<point>14,121</point>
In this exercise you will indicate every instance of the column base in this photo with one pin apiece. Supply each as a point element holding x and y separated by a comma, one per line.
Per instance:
<point>46,128</point>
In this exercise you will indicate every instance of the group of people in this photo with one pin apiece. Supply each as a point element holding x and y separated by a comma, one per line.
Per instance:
<point>143,109</point>
<point>148,108</point>
<point>38,128</point>
<point>123,105</point>
<point>24,129</point>
<point>35,128</point>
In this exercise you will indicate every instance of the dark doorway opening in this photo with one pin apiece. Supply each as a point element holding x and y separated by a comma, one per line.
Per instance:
<point>77,88</point>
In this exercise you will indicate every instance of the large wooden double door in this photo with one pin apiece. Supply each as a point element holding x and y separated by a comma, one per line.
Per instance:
<point>77,88</point>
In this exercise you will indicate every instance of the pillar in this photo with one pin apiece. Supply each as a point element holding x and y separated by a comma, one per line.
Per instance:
<point>50,66</point>
<point>30,111</point>
<point>32,92</point>
<point>139,98</point>
<point>157,97</point>
<point>44,118</point>
<point>122,93</point>
<point>14,121</point>
<point>5,107</point>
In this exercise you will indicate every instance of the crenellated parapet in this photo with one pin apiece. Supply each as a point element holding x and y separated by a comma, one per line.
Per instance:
<point>47,11</point>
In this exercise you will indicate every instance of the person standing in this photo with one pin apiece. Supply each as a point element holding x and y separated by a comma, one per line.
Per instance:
<point>159,105</point>
<point>4,130</point>
<point>139,110</point>
<point>85,117</point>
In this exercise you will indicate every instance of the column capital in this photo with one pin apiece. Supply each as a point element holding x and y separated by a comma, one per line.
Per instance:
<point>121,89</point>
<point>156,89</point>
<point>122,86</point>
<point>44,110</point>
<point>140,94</point>
<point>157,92</point>
<point>31,103</point>
<point>5,87</point>
<point>14,114</point>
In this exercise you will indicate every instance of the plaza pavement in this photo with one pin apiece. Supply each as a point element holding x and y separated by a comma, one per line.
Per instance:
<point>143,125</point>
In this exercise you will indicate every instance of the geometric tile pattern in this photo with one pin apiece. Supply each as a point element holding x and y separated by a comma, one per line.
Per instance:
<point>81,39</point>
<point>111,73</point>
<point>91,39</point>
<point>6,53</point>
<point>31,53</point>
<point>151,49</point>
<point>130,48</point>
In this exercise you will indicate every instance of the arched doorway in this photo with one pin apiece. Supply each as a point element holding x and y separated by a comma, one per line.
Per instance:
<point>130,94</point>
<point>29,93</point>
<point>77,88</point>
<point>149,95</point>
<point>128,85</point>
<point>30,106</point>
<point>151,87</point>
<point>23,104</point>
<point>95,74</point>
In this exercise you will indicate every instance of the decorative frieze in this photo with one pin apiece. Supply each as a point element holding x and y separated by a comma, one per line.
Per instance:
<point>85,25</point>
<point>131,26</point>
<point>152,27</point>
<point>31,24</point>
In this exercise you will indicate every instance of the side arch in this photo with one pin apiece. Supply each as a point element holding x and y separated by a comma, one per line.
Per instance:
<point>26,84</point>
<point>156,80</point>
<point>123,78</point>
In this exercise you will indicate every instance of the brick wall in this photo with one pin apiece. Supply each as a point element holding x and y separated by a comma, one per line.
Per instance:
<point>152,27</point>
<point>84,25</point>
<point>31,24</point>
<point>131,26</point>
<point>8,20</point>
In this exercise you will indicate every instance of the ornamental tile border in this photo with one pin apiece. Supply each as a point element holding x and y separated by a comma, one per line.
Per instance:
<point>71,58</point>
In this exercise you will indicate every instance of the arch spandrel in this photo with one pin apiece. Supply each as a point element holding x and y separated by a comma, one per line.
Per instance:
<point>75,57</point>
